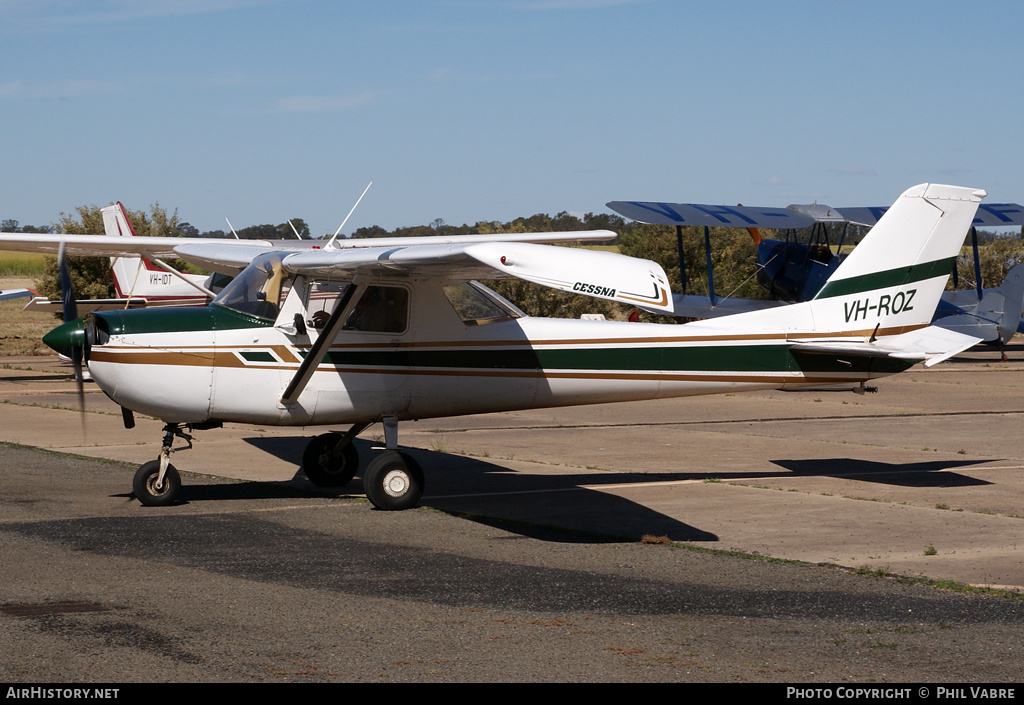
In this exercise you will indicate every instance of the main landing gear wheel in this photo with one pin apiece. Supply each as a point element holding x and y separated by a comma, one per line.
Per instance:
<point>393,481</point>
<point>153,493</point>
<point>325,471</point>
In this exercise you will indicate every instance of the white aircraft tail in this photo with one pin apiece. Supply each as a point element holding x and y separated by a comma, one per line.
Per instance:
<point>130,277</point>
<point>882,298</point>
<point>138,278</point>
<point>892,281</point>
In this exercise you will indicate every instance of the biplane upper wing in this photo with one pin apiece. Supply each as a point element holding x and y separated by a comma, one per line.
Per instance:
<point>990,215</point>
<point>791,217</point>
<point>656,213</point>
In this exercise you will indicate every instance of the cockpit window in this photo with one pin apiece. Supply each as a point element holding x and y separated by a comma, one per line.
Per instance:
<point>477,305</point>
<point>381,309</point>
<point>259,289</point>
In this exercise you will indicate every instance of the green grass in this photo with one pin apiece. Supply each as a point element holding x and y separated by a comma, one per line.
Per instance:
<point>21,332</point>
<point>21,264</point>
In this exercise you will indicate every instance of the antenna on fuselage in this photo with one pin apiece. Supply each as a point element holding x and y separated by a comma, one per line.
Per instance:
<point>331,241</point>
<point>232,229</point>
<point>294,230</point>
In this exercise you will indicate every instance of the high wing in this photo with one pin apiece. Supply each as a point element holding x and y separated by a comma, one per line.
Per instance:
<point>104,246</point>
<point>232,256</point>
<point>599,274</point>
<point>604,275</point>
<point>166,247</point>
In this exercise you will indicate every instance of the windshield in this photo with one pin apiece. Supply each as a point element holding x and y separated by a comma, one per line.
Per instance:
<point>259,289</point>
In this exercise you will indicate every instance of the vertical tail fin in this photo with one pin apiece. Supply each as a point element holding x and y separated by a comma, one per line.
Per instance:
<point>115,221</point>
<point>893,279</point>
<point>126,271</point>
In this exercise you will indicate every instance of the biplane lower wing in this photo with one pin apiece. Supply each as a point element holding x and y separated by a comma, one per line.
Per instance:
<point>700,307</point>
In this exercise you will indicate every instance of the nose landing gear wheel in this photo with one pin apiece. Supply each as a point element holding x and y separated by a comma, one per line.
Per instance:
<point>325,471</point>
<point>393,481</point>
<point>150,491</point>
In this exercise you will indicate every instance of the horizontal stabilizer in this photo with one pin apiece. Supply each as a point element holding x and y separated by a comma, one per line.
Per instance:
<point>16,294</point>
<point>41,303</point>
<point>931,345</point>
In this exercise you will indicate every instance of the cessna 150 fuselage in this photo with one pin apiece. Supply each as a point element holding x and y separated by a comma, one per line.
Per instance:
<point>410,334</point>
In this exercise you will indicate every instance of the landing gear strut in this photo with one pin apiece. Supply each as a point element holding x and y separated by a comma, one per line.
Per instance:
<point>157,483</point>
<point>392,481</point>
<point>330,459</point>
<point>155,488</point>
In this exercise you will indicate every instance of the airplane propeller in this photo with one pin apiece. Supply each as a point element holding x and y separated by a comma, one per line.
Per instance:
<point>73,340</point>
<point>69,338</point>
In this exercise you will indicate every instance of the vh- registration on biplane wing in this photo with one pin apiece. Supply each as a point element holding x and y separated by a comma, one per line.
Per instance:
<point>411,335</point>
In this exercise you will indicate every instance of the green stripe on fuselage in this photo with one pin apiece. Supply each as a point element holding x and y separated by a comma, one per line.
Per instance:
<point>716,358</point>
<point>888,278</point>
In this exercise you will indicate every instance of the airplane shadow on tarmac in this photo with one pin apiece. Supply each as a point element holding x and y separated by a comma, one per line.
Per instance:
<point>565,507</point>
<point>927,474</point>
<point>537,506</point>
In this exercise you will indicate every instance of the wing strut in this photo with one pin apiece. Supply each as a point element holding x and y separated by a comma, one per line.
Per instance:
<point>320,347</point>
<point>707,257</point>
<point>977,263</point>
<point>682,262</point>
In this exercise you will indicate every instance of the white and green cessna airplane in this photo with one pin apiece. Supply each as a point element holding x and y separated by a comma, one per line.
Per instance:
<point>410,334</point>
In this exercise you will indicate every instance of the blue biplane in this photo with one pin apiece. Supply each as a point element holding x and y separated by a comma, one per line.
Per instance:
<point>795,269</point>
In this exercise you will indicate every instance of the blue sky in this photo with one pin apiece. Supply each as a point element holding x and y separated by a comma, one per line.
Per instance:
<point>465,110</point>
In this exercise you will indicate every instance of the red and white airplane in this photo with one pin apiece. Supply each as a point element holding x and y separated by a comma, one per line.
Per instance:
<point>140,280</point>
